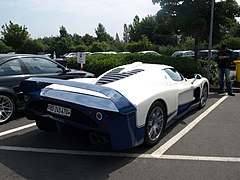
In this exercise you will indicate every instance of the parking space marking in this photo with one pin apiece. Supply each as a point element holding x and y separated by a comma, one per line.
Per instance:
<point>122,155</point>
<point>178,136</point>
<point>201,158</point>
<point>17,129</point>
<point>158,154</point>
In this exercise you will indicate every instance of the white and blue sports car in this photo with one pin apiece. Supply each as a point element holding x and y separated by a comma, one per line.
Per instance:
<point>128,105</point>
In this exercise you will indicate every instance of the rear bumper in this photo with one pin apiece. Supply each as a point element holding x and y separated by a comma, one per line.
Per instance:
<point>121,129</point>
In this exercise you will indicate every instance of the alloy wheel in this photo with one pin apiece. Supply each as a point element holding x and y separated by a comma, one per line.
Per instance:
<point>6,108</point>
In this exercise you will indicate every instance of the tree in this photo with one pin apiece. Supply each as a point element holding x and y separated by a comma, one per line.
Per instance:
<point>81,48</point>
<point>133,30</point>
<point>33,47</point>
<point>154,28</point>
<point>4,48</point>
<point>77,40</point>
<point>102,35</point>
<point>192,17</point>
<point>235,30</point>
<point>232,42</point>
<point>143,44</point>
<point>88,39</point>
<point>63,32</point>
<point>14,35</point>
<point>224,20</point>
<point>117,39</point>
<point>100,46</point>
<point>126,31</point>
<point>62,45</point>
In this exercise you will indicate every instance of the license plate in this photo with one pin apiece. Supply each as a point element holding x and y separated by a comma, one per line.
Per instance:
<point>59,110</point>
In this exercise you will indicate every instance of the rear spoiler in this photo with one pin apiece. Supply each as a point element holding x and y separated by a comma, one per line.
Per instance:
<point>37,85</point>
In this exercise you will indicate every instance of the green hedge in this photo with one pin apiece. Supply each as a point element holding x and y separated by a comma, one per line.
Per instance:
<point>100,63</point>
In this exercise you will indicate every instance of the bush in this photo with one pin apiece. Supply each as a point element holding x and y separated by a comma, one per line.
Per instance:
<point>167,50</point>
<point>101,63</point>
<point>233,43</point>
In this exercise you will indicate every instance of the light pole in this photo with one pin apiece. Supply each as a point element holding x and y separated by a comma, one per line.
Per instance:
<point>210,40</point>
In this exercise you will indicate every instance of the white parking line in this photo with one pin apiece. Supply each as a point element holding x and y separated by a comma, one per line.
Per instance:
<point>122,155</point>
<point>178,136</point>
<point>17,129</point>
<point>201,158</point>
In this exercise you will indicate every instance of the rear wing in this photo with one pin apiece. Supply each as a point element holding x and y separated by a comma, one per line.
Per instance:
<point>110,99</point>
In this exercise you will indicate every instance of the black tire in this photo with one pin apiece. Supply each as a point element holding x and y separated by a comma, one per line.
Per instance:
<point>7,108</point>
<point>155,123</point>
<point>203,97</point>
<point>47,125</point>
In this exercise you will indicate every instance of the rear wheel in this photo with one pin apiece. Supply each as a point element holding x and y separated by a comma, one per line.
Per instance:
<point>155,124</point>
<point>7,108</point>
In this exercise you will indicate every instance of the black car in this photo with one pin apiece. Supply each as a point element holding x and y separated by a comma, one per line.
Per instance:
<point>203,54</point>
<point>15,68</point>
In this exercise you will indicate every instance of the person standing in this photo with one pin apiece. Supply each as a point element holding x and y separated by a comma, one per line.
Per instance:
<point>224,59</point>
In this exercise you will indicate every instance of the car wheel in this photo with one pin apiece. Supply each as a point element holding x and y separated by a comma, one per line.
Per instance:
<point>155,124</point>
<point>7,108</point>
<point>47,125</point>
<point>204,96</point>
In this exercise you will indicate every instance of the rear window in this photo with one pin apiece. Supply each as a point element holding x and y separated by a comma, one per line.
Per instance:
<point>11,67</point>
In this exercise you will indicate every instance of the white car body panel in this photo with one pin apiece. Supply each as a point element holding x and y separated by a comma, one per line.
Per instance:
<point>142,90</point>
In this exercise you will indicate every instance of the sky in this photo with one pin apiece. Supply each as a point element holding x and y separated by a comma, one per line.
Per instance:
<point>43,18</point>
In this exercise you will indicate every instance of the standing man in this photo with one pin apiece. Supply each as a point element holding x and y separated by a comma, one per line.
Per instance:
<point>224,59</point>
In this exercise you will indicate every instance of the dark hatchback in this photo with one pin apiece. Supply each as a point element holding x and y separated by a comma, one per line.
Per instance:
<point>15,68</point>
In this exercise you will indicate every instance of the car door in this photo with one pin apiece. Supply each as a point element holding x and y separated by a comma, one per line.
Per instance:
<point>11,75</point>
<point>42,67</point>
<point>183,88</point>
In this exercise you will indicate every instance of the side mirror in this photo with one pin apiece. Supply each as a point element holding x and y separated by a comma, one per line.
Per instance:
<point>196,76</point>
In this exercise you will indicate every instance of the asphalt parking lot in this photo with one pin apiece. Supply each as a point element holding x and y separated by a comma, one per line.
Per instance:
<point>204,144</point>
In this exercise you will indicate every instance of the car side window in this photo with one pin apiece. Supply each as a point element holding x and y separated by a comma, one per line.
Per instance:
<point>174,75</point>
<point>11,67</point>
<point>41,66</point>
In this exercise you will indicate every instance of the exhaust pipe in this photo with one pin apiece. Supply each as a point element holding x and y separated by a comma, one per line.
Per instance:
<point>97,138</point>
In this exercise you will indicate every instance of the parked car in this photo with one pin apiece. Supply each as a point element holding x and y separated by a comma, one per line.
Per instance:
<point>203,54</point>
<point>183,54</point>
<point>236,56</point>
<point>128,105</point>
<point>107,52</point>
<point>15,68</point>
<point>124,52</point>
<point>70,55</point>
<point>149,52</point>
